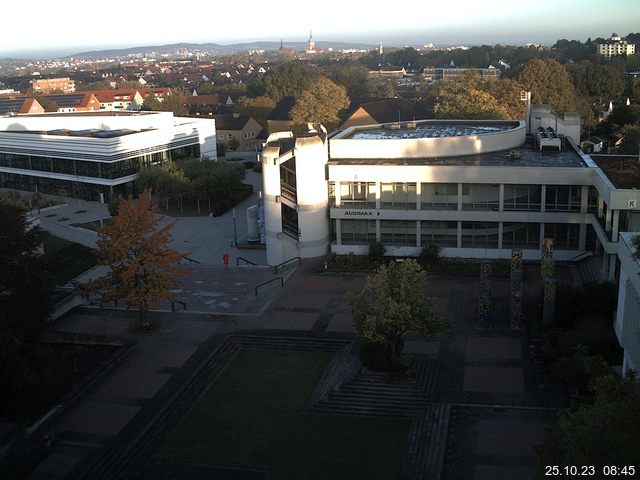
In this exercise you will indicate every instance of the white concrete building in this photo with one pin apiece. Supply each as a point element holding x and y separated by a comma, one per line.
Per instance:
<point>93,155</point>
<point>616,46</point>
<point>477,189</point>
<point>627,319</point>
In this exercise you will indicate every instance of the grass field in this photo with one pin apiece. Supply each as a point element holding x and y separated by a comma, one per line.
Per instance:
<point>253,416</point>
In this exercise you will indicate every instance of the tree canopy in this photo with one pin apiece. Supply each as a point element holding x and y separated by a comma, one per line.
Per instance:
<point>549,84</point>
<point>320,103</point>
<point>392,303</point>
<point>471,96</point>
<point>599,434</point>
<point>172,103</point>
<point>142,267</point>
<point>289,79</point>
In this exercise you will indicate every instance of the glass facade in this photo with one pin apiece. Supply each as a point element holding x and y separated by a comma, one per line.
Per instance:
<point>358,194</point>
<point>565,235</point>
<point>398,232</point>
<point>358,231</point>
<point>480,197</point>
<point>398,195</point>
<point>563,198</point>
<point>479,235</point>
<point>522,197</point>
<point>439,196</point>
<point>521,235</point>
<point>443,234</point>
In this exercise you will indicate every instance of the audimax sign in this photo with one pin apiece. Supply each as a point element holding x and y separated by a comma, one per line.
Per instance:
<point>361,213</point>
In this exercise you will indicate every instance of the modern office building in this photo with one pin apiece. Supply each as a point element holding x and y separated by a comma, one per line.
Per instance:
<point>477,189</point>
<point>93,155</point>
<point>627,319</point>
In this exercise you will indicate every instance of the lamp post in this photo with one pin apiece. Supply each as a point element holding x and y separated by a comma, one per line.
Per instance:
<point>235,230</point>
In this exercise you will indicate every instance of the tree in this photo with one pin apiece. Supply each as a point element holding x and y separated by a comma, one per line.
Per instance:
<point>288,79</point>
<point>174,103</point>
<point>392,303</point>
<point>355,79</point>
<point>549,84</point>
<point>259,108</point>
<point>474,97</point>
<point>25,288</point>
<point>320,103</point>
<point>600,434</point>
<point>142,267</point>
<point>631,139</point>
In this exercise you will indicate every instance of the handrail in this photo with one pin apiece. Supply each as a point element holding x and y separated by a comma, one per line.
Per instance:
<point>267,282</point>
<point>581,256</point>
<point>190,259</point>
<point>245,260</point>
<point>275,269</point>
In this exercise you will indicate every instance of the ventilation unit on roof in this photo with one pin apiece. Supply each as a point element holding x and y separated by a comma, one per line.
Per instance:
<point>411,125</point>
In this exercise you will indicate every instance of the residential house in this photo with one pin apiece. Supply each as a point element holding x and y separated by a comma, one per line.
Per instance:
<point>383,110</point>
<point>242,128</point>
<point>118,100</point>
<point>19,105</point>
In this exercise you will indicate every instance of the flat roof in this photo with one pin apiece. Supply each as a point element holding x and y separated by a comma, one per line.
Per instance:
<point>433,129</point>
<point>91,132</point>
<point>527,155</point>
<point>622,170</point>
<point>92,113</point>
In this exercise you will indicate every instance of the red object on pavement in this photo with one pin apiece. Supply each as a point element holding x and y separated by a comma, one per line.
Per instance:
<point>225,258</point>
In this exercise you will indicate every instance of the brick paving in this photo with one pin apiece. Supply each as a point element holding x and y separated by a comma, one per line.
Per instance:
<point>482,380</point>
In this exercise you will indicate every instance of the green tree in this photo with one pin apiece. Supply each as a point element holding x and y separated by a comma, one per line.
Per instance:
<point>392,303</point>
<point>598,434</point>
<point>631,139</point>
<point>174,103</point>
<point>259,108</point>
<point>355,79</point>
<point>142,268</point>
<point>471,96</point>
<point>320,103</point>
<point>549,84</point>
<point>288,79</point>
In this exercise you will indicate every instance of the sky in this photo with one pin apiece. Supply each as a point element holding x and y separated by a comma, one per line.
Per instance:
<point>66,27</point>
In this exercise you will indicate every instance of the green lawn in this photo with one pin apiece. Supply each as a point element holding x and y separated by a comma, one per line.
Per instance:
<point>252,416</point>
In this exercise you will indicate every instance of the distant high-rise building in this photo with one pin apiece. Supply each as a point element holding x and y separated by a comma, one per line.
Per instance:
<point>616,46</point>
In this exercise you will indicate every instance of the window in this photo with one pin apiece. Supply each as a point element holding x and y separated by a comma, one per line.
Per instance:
<point>439,196</point>
<point>229,136</point>
<point>522,197</point>
<point>358,194</point>
<point>398,195</point>
<point>480,197</point>
<point>479,235</point>
<point>398,232</point>
<point>563,198</point>
<point>289,221</point>
<point>443,234</point>
<point>358,231</point>
<point>564,235</point>
<point>521,235</point>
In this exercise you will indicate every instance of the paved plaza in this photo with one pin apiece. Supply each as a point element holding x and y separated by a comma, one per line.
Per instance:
<point>480,383</point>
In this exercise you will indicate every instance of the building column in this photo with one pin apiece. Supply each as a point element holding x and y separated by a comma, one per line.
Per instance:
<point>607,220</point>
<point>338,231</point>
<point>600,206</point>
<point>418,239</point>
<point>543,201</point>
<point>459,197</point>
<point>459,235</point>
<point>336,192</point>
<point>501,205</point>
<point>418,195</point>
<point>378,196</point>
<point>584,199</point>
<point>582,237</point>
<point>615,225</point>
<point>541,235</point>
<point>378,234</point>
<point>612,267</point>
<point>500,224</point>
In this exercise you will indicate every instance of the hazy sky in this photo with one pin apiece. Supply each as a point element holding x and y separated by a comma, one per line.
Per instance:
<point>64,26</point>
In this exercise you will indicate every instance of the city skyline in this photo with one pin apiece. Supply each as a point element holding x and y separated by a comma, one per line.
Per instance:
<point>470,23</point>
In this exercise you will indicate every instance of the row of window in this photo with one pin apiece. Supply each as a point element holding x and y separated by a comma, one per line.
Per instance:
<point>83,168</point>
<point>445,234</point>
<point>444,196</point>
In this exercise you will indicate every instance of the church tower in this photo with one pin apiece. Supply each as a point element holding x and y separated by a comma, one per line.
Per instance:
<point>312,45</point>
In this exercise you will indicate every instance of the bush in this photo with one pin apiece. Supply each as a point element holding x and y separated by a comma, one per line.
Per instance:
<point>430,254</point>
<point>376,250</point>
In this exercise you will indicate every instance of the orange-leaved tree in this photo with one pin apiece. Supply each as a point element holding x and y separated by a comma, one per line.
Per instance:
<point>142,267</point>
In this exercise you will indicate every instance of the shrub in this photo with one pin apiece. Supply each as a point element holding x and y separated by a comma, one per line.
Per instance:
<point>376,250</point>
<point>430,254</point>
